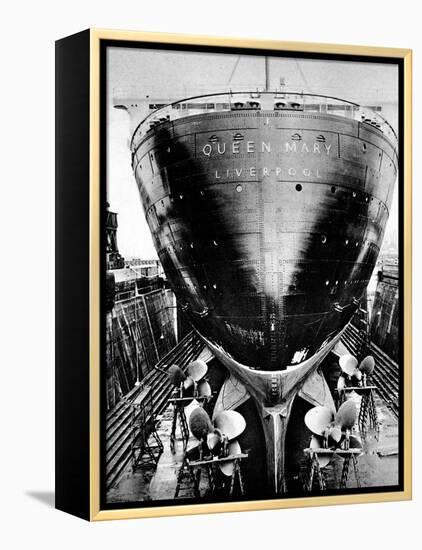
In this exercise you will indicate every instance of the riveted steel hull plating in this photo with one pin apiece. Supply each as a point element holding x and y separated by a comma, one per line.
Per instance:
<point>268,224</point>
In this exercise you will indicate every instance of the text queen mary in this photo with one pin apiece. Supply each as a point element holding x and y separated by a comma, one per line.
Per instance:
<point>239,147</point>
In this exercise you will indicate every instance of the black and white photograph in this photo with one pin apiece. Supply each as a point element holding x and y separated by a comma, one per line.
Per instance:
<point>252,268</point>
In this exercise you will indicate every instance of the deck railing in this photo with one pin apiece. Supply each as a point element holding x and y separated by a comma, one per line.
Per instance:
<point>265,101</point>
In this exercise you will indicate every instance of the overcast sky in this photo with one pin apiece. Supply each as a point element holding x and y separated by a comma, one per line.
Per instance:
<point>175,75</point>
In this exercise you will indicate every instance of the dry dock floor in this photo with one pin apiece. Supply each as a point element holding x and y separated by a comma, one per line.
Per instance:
<point>377,467</point>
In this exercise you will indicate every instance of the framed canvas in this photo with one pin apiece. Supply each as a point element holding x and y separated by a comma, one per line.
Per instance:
<point>233,279</point>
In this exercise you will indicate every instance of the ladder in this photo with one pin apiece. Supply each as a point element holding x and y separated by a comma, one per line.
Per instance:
<point>146,445</point>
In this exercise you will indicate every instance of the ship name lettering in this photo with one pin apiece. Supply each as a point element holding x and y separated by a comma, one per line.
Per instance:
<point>266,146</point>
<point>265,171</point>
<point>291,147</point>
<point>207,149</point>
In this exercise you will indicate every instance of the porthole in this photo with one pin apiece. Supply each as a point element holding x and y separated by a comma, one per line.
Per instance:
<point>327,283</point>
<point>214,286</point>
<point>346,242</point>
<point>354,194</point>
<point>215,243</point>
<point>333,189</point>
<point>323,239</point>
<point>298,187</point>
<point>239,188</point>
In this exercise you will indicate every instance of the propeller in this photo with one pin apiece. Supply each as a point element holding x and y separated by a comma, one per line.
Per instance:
<point>193,382</point>
<point>322,422</point>
<point>327,426</point>
<point>350,371</point>
<point>220,434</point>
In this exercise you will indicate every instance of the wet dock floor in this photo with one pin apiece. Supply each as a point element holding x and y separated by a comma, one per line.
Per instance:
<point>378,466</point>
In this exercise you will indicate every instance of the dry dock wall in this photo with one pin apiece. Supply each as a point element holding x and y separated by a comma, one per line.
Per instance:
<point>139,332</point>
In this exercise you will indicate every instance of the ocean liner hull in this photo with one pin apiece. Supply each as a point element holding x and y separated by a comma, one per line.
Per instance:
<point>268,226</point>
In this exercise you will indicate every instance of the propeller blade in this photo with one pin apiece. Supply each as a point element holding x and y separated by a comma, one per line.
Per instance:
<point>204,389</point>
<point>346,415</point>
<point>200,423</point>
<point>230,423</point>
<point>176,375</point>
<point>318,419</point>
<point>197,370</point>
<point>316,443</point>
<point>233,449</point>
<point>367,365</point>
<point>348,364</point>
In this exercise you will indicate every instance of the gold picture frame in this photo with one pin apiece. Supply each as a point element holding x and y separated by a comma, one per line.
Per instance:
<point>92,508</point>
